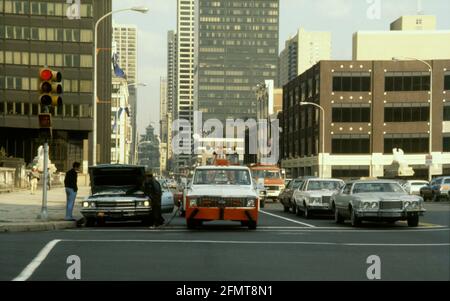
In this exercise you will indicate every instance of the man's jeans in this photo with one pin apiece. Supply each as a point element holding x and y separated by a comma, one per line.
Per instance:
<point>71,196</point>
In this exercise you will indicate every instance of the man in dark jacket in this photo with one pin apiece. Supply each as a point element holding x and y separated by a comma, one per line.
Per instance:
<point>70,183</point>
<point>152,189</point>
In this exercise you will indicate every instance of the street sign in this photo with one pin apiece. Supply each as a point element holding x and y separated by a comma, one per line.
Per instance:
<point>45,121</point>
<point>429,160</point>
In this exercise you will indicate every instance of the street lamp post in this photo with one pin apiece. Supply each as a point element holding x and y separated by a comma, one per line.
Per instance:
<point>94,100</point>
<point>430,142</point>
<point>322,175</point>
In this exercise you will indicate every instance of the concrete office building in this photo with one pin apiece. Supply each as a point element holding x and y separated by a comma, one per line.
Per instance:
<point>121,120</point>
<point>38,33</point>
<point>370,108</point>
<point>125,42</point>
<point>236,49</point>
<point>303,51</point>
<point>163,123</point>
<point>172,98</point>
<point>410,36</point>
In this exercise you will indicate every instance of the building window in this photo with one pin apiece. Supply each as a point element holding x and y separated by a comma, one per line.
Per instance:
<point>346,172</point>
<point>447,81</point>
<point>446,143</point>
<point>350,144</point>
<point>351,114</point>
<point>351,82</point>
<point>407,81</point>
<point>407,113</point>
<point>447,112</point>
<point>409,143</point>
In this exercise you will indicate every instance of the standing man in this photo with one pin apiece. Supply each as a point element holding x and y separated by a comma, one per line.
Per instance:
<point>70,183</point>
<point>33,176</point>
<point>152,189</point>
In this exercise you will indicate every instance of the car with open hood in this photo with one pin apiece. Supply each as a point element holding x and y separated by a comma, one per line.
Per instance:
<point>116,194</point>
<point>376,200</point>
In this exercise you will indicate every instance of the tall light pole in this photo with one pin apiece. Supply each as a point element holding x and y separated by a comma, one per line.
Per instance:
<point>430,142</point>
<point>94,100</point>
<point>322,175</point>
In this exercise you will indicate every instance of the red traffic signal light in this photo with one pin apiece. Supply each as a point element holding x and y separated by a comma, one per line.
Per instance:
<point>49,87</point>
<point>46,74</point>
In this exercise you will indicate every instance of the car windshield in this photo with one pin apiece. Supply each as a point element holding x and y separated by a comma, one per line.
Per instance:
<point>323,185</point>
<point>377,187</point>
<point>222,177</point>
<point>266,174</point>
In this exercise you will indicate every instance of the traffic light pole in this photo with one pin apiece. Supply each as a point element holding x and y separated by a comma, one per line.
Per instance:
<point>44,212</point>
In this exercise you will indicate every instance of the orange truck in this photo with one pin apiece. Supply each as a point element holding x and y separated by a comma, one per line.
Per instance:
<point>222,192</point>
<point>273,179</point>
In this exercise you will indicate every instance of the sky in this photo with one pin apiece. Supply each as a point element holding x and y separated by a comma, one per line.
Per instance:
<point>340,17</point>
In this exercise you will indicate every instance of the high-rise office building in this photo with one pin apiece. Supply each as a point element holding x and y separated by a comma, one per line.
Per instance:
<point>185,71</point>
<point>302,52</point>
<point>163,123</point>
<point>236,49</point>
<point>171,89</point>
<point>37,33</point>
<point>125,43</point>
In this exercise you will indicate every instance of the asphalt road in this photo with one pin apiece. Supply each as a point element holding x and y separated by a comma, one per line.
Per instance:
<point>284,247</point>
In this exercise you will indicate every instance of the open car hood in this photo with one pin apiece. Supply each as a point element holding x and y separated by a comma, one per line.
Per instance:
<point>106,178</point>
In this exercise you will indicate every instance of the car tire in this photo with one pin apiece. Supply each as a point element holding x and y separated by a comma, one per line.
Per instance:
<point>262,203</point>
<point>285,208</point>
<point>191,224</point>
<point>306,212</point>
<point>338,219</point>
<point>294,209</point>
<point>355,220</point>
<point>90,222</point>
<point>413,221</point>
<point>298,211</point>
<point>435,198</point>
<point>244,223</point>
<point>252,225</point>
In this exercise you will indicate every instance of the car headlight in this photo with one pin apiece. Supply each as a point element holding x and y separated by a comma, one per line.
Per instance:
<point>147,203</point>
<point>315,200</point>
<point>414,204</point>
<point>374,205</point>
<point>251,203</point>
<point>193,203</point>
<point>365,205</point>
<point>407,204</point>
<point>85,204</point>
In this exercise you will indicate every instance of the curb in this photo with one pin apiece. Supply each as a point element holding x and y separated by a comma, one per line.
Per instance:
<point>37,226</point>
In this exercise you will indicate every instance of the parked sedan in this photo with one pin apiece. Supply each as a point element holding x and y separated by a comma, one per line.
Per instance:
<point>438,188</point>
<point>286,196</point>
<point>414,186</point>
<point>378,200</point>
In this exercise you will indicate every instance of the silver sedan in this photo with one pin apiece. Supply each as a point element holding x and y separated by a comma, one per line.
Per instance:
<point>378,200</point>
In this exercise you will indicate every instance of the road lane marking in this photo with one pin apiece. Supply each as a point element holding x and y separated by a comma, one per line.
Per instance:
<point>258,242</point>
<point>287,219</point>
<point>36,262</point>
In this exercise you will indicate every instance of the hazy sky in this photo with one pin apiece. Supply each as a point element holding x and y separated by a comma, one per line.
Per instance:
<point>341,17</point>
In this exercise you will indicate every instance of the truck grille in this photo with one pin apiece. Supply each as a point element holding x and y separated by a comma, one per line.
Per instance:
<point>222,202</point>
<point>276,188</point>
<point>391,205</point>
<point>115,204</point>
<point>326,199</point>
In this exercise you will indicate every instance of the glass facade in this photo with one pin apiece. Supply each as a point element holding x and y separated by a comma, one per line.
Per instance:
<point>237,49</point>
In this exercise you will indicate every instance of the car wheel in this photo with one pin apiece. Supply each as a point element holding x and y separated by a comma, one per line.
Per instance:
<point>252,225</point>
<point>90,222</point>
<point>306,212</point>
<point>337,217</point>
<point>413,221</point>
<point>435,198</point>
<point>244,223</point>
<point>298,211</point>
<point>294,209</point>
<point>190,223</point>
<point>285,208</point>
<point>262,203</point>
<point>355,220</point>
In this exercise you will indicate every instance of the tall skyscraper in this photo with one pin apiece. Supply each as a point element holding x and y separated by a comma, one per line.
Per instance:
<point>302,52</point>
<point>32,36</point>
<point>185,68</point>
<point>163,123</point>
<point>172,99</point>
<point>236,49</point>
<point>125,43</point>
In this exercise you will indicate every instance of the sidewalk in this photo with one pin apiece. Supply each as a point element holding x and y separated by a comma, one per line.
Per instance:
<point>19,210</point>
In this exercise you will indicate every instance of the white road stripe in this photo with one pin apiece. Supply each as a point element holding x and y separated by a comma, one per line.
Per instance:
<point>257,242</point>
<point>36,262</point>
<point>287,219</point>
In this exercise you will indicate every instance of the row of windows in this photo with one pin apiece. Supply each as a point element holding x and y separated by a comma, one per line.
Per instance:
<point>351,82</point>
<point>407,81</point>
<point>447,82</point>
<point>410,145</point>
<point>43,8</point>
<point>447,113</point>
<point>342,172</point>
<point>350,145</point>
<point>407,114</point>
<point>351,114</point>
<point>46,59</point>
<point>31,84</point>
<point>46,34</point>
<point>33,109</point>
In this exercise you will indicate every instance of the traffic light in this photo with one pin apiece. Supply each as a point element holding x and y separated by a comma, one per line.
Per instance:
<point>49,87</point>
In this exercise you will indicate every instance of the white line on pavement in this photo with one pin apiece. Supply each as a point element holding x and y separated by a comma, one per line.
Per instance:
<point>287,219</point>
<point>257,242</point>
<point>36,262</point>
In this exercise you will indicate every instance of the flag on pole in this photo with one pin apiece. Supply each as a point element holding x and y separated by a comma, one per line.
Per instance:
<point>117,70</point>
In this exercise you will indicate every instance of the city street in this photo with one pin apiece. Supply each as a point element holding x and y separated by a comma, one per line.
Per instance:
<point>284,247</point>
